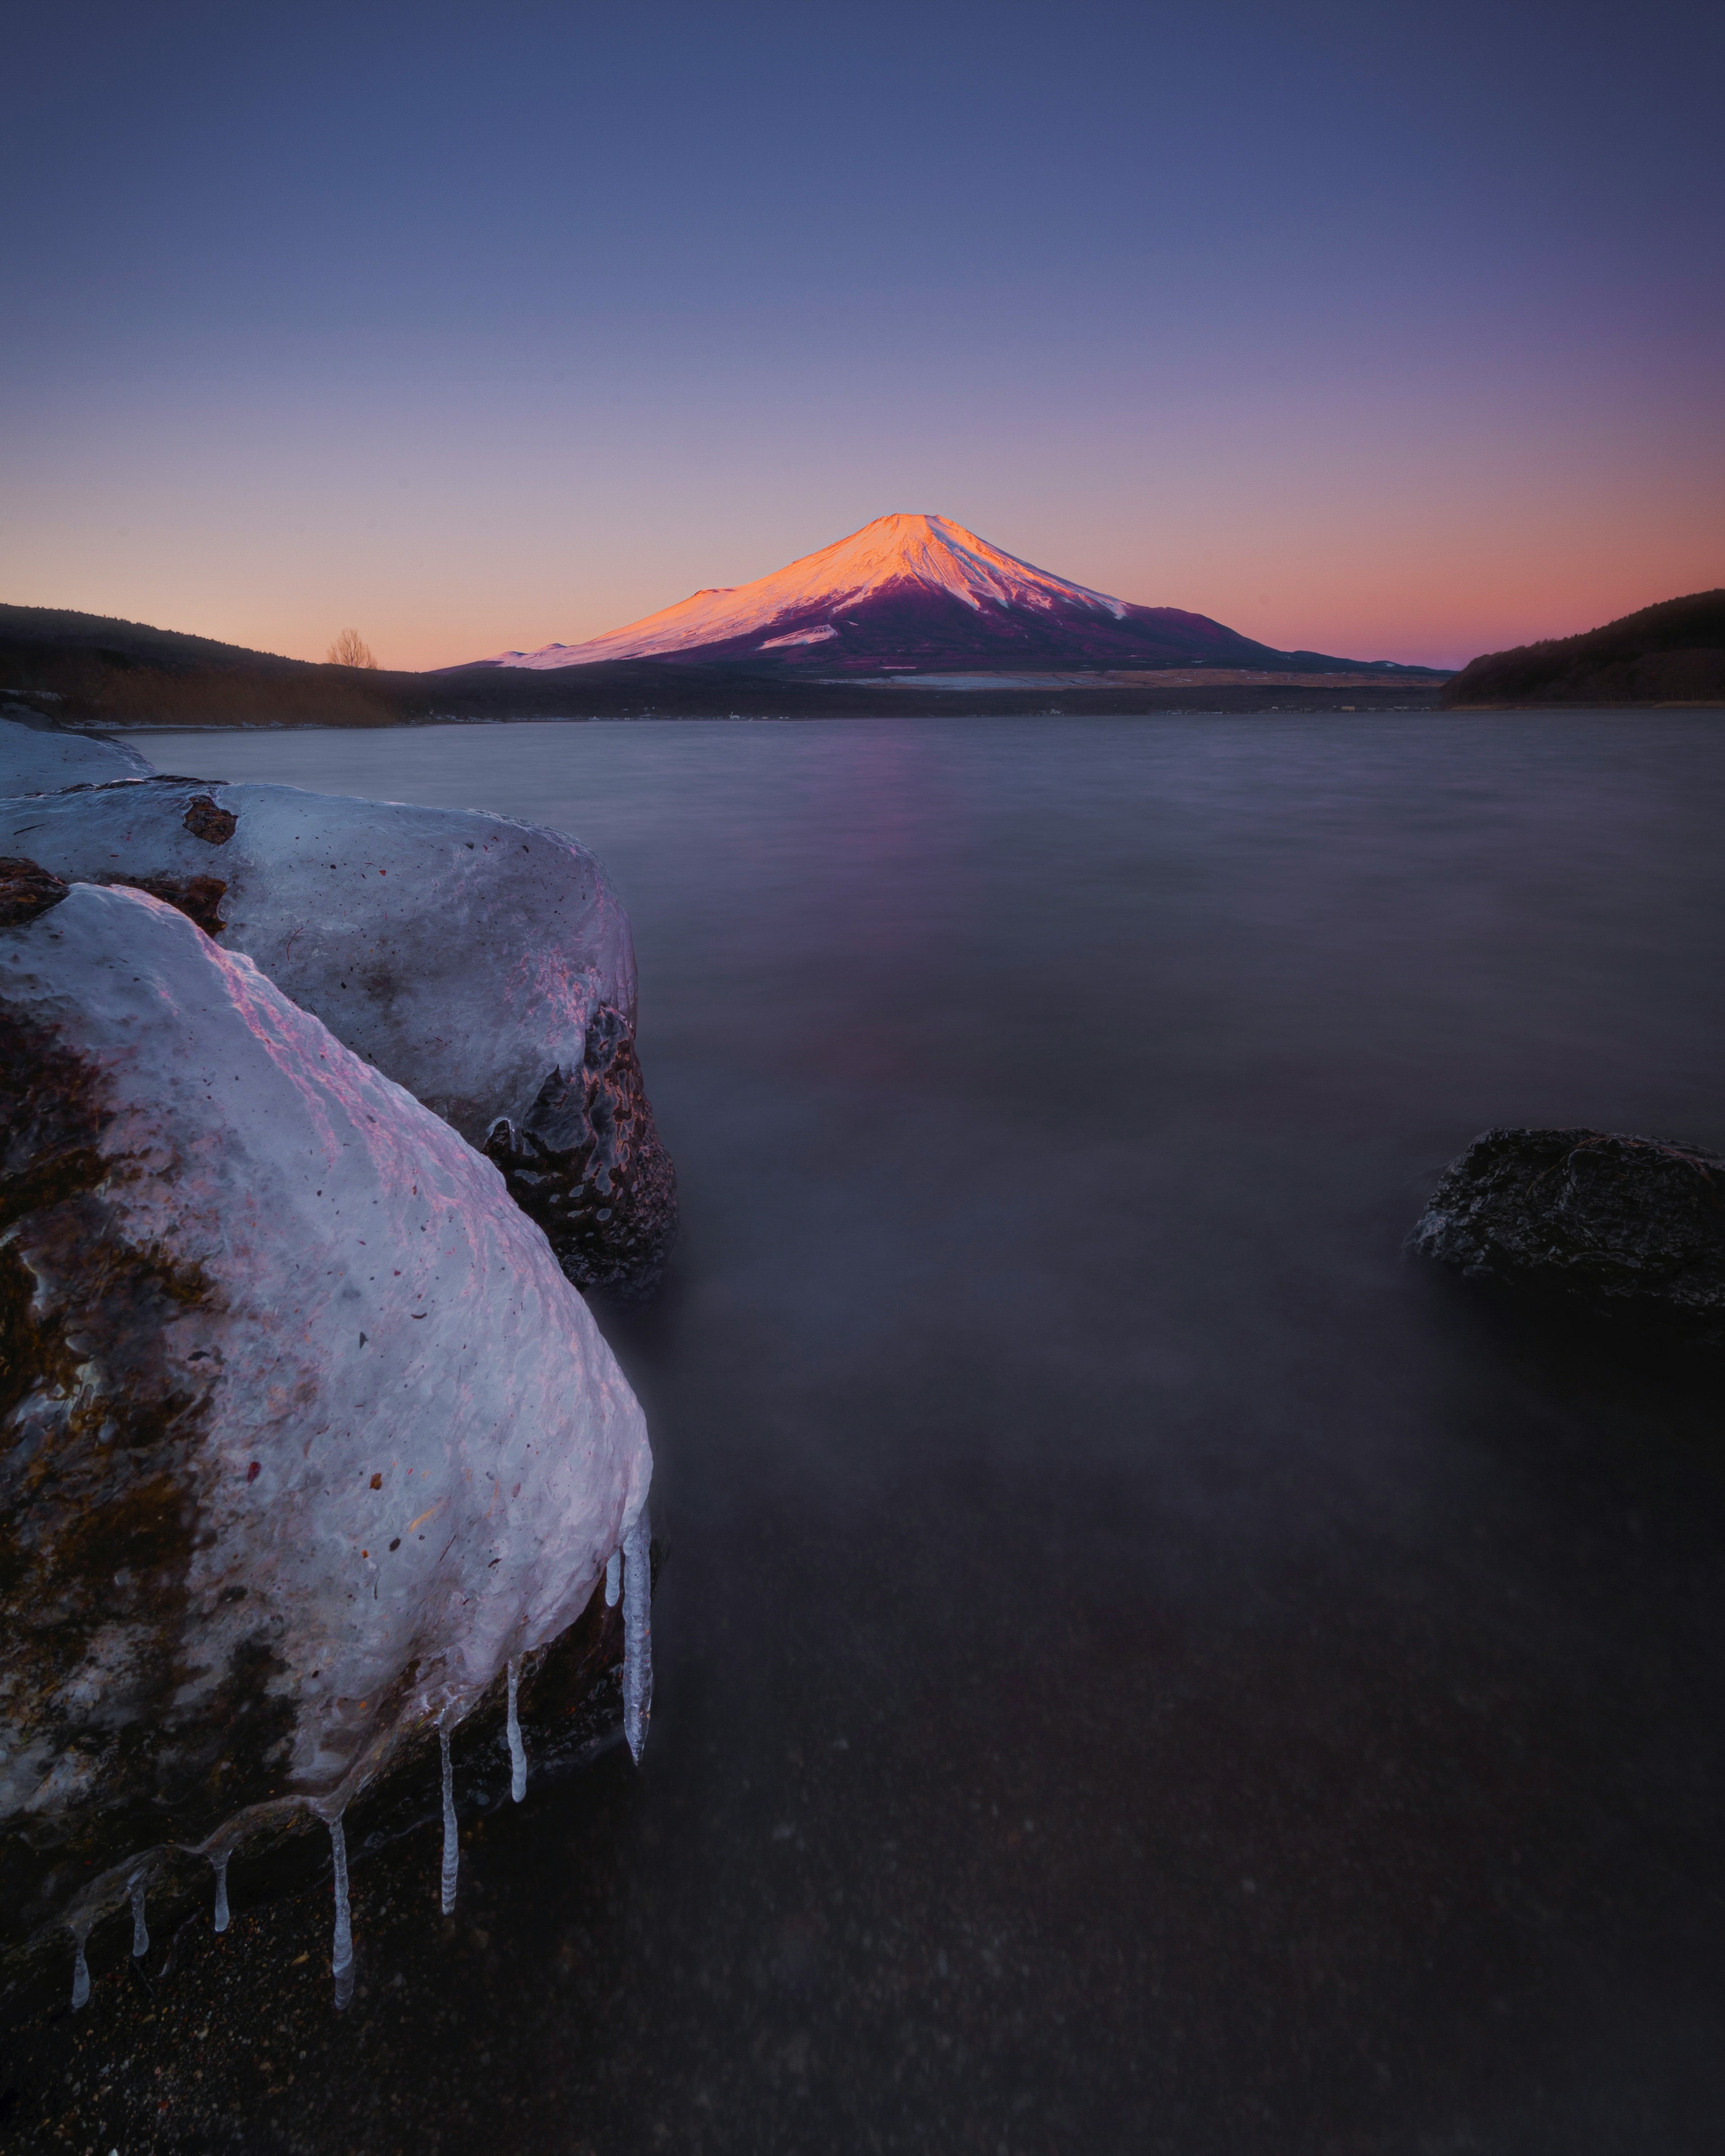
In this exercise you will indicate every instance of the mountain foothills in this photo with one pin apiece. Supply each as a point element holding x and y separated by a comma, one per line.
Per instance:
<point>908,608</point>
<point>1670,653</point>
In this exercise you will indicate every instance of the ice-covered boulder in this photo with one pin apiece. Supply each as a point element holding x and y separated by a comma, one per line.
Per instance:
<point>302,1433</point>
<point>37,758</point>
<point>484,964</point>
<point>1630,1225</point>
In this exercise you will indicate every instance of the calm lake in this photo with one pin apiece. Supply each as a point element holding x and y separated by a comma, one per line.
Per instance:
<point>1142,1666</point>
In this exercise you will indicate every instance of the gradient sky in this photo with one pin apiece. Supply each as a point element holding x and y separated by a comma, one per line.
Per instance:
<point>1394,330</point>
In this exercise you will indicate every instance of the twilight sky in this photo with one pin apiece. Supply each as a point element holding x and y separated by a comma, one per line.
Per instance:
<point>1391,330</point>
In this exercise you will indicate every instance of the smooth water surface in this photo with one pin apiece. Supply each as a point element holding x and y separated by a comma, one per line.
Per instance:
<point>1142,1666</point>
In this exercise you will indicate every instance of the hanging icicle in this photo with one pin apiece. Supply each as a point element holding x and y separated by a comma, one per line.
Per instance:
<point>613,1578</point>
<point>342,1958</point>
<point>80,1971</point>
<point>140,1929</point>
<point>517,1756</point>
<point>221,1863</point>
<point>452,1846</point>
<point>637,1632</point>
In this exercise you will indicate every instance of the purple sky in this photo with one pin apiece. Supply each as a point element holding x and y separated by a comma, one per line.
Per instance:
<point>1390,331</point>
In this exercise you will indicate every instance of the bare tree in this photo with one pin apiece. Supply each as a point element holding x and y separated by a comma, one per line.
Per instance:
<point>350,648</point>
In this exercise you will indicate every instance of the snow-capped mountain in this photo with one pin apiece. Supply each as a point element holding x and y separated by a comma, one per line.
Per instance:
<point>916,593</point>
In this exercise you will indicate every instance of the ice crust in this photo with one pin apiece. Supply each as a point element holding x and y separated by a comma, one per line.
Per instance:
<point>406,1449</point>
<point>37,760</point>
<point>463,953</point>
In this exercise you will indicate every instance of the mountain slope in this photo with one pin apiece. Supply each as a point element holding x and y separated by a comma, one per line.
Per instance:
<point>1672,653</point>
<point>920,594</point>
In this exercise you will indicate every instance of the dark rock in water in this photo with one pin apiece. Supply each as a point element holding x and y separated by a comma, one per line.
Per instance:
<point>587,1163</point>
<point>1629,1224</point>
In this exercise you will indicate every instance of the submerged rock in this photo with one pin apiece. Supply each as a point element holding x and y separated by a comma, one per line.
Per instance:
<point>484,964</point>
<point>1629,1224</point>
<point>36,757</point>
<point>303,1434</point>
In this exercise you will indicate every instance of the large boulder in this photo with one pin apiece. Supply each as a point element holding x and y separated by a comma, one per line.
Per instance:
<point>1627,1223</point>
<point>36,757</point>
<point>484,964</point>
<point>304,1435</point>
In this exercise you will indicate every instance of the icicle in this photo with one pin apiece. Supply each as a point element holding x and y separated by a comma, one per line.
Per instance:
<point>140,1929</point>
<point>517,1757</point>
<point>452,1847</point>
<point>637,1632</point>
<point>80,1973</point>
<point>221,1892</point>
<point>613,1578</point>
<point>342,1958</point>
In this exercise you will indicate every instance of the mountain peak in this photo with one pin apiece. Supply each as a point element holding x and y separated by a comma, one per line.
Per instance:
<point>914,555</point>
<point>932,550</point>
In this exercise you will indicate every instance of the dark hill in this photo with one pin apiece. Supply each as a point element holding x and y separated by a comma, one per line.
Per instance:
<point>92,670</point>
<point>1670,653</point>
<point>28,633</point>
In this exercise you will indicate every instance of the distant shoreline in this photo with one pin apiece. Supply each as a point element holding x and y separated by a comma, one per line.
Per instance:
<point>742,700</point>
<point>1312,708</point>
<point>1425,707</point>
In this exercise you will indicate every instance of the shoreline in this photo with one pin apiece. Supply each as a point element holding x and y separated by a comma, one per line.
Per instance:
<point>1313,709</point>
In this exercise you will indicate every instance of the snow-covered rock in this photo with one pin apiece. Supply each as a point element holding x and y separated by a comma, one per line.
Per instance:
<point>38,759</point>
<point>484,964</point>
<point>303,1434</point>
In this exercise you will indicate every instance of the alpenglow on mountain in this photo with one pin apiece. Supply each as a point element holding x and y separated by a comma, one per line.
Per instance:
<point>921,594</point>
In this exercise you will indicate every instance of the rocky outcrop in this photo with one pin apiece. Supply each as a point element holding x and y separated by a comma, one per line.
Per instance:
<point>586,1162</point>
<point>484,964</point>
<point>26,889</point>
<point>1626,1224</point>
<point>303,1434</point>
<point>35,757</point>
